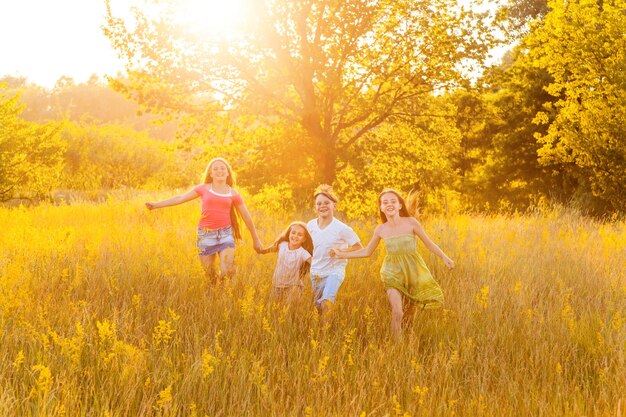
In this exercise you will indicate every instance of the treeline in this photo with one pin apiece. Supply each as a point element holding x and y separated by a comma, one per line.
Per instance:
<point>543,126</point>
<point>82,137</point>
<point>548,123</point>
<point>91,101</point>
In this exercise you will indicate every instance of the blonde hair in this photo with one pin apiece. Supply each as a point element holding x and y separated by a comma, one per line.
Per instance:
<point>412,203</point>
<point>327,191</point>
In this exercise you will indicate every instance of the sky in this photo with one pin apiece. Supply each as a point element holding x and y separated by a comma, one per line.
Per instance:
<point>43,40</point>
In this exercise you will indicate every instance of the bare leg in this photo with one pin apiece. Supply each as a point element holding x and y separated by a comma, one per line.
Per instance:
<point>329,293</point>
<point>208,263</point>
<point>276,294</point>
<point>395,299</point>
<point>324,309</point>
<point>227,262</point>
<point>293,295</point>
<point>409,314</point>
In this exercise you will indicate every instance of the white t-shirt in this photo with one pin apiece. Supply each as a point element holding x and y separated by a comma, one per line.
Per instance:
<point>287,272</point>
<point>336,234</point>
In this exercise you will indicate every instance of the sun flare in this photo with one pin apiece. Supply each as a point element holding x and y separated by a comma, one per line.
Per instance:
<point>212,17</point>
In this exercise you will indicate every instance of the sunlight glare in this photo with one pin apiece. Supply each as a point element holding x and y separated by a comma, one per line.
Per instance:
<point>212,17</point>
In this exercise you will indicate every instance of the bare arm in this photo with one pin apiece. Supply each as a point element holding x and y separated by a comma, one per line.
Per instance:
<point>421,233</point>
<point>355,247</point>
<point>173,201</point>
<point>357,250</point>
<point>247,219</point>
<point>268,249</point>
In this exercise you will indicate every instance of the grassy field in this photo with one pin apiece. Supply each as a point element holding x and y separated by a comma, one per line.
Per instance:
<point>104,311</point>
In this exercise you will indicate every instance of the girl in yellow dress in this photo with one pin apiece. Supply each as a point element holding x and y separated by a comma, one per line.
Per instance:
<point>406,277</point>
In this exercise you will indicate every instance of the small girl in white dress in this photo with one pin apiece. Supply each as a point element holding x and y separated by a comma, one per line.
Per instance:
<point>294,246</point>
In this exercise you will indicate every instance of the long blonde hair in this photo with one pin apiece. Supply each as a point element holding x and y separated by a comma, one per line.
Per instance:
<point>230,180</point>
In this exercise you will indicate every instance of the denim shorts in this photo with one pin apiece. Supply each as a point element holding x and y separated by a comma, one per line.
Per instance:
<point>326,288</point>
<point>212,241</point>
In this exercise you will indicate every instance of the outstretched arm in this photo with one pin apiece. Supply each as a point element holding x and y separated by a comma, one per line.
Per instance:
<point>268,249</point>
<point>247,219</point>
<point>357,250</point>
<point>421,233</point>
<point>173,201</point>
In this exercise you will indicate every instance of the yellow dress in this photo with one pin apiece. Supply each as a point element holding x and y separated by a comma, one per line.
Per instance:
<point>404,269</point>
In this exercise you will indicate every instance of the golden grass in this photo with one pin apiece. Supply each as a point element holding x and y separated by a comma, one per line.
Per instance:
<point>104,311</point>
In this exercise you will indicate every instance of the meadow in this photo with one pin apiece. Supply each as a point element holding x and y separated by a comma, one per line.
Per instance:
<point>105,311</point>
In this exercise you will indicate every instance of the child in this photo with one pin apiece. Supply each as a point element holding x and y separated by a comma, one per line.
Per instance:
<point>218,227</point>
<point>404,273</point>
<point>294,247</point>
<point>327,232</point>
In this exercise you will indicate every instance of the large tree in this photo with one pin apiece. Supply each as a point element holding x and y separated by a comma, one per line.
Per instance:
<point>337,68</point>
<point>581,45</point>
<point>499,151</point>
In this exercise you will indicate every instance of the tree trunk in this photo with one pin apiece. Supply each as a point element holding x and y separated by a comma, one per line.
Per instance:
<point>324,147</point>
<point>325,156</point>
<point>327,166</point>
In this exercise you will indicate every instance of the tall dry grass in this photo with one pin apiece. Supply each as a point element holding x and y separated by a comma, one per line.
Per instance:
<point>104,311</point>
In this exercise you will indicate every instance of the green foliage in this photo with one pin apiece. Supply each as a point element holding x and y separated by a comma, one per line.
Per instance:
<point>337,70</point>
<point>407,156</point>
<point>113,156</point>
<point>86,155</point>
<point>275,200</point>
<point>262,153</point>
<point>30,154</point>
<point>499,162</point>
<point>548,124</point>
<point>581,45</point>
<point>343,92</point>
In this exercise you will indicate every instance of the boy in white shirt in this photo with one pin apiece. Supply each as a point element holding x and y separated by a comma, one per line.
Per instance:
<point>327,273</point>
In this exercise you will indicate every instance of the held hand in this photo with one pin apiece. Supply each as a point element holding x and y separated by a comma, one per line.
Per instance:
<point>449,263</point>
<point>257,246</point>
<point>150,205</point>
<point>336,253</point>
